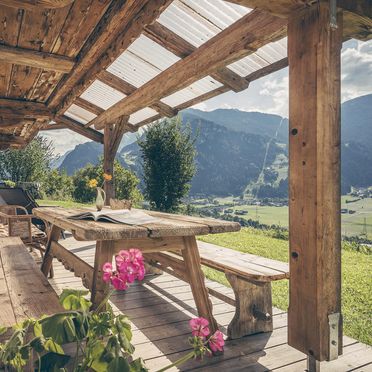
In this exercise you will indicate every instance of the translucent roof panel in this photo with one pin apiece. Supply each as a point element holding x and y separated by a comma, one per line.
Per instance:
<point>142,115</point>
<point>79,114</point>
<point>199,20</point>
<point>102,95</point>
<point>194,90</point>
<point>264,56</point>
<point>142,61</point>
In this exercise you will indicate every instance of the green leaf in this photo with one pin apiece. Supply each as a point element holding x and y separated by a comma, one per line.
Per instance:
<point>37,344</point>
<point>138,365</point>
<point>59,327</point>
<point>119,364</point>
<point>52,362</point>
<point>98,363</point>
<point>50,345</point>
<point>72,299</point>
<point>3,330</point>
<point>124,333</point>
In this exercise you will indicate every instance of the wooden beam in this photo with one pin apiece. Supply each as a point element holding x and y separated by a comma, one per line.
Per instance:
<point>127,88</point>
<point>88,106</point>
<point>8,139</point>
<point>357,16</point>
<point>264,71</point>
<point>182,48</point>
<point>122,24</point>
<point>54,127</point>
<point>36,4</point>
<point>80,128</point>
<point>240,39</point>
<point>314,50</point>
<point>33,58</point>
<point>112,136</point>
<point>23,109</point>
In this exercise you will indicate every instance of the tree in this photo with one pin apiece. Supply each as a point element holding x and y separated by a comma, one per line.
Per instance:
<point>29,164</point>
<point>58,185</point>
<point>125,183</point>
<point>168,161</point>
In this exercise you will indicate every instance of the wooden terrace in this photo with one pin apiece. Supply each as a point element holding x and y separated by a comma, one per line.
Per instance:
<point>161,307</point>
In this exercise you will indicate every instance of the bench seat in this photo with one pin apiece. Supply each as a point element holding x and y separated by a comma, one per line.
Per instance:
<point>250,277</point>
<point>24,290</point>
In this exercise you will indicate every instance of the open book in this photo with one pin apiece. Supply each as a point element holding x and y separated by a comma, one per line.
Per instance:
<point>126,216</point>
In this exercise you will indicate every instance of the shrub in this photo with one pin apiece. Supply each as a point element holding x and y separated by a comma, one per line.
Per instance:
<point>125,183</point>
<point>58,185</point>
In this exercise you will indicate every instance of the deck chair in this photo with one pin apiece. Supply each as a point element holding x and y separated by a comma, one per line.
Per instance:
<point>20,197</point>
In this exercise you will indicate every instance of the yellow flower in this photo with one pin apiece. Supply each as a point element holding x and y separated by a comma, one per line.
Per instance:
<point>107,177</point>
<point>92,183</point>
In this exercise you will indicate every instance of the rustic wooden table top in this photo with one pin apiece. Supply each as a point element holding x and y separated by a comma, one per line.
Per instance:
<point>166,226</point>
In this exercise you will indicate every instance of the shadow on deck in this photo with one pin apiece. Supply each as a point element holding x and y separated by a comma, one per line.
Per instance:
<point>161,306</point>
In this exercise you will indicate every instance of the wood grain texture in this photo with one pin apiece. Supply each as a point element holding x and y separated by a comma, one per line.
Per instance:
<point>169,225</point>
<point>36,4</point>
<point>122,24</point>
<point>240,39</point>
<point>314,180</point>
<point>33,58</point>
<point>27,291</point>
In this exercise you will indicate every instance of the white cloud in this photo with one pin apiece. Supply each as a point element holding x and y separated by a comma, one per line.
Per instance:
<point>64,140</point>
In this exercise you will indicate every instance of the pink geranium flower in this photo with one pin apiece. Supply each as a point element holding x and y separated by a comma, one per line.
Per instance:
<point>199,327</point>
<point>216,341</point>
<point>129,267</point>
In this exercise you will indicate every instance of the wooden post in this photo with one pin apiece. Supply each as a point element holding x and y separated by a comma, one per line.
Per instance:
<point>314,48</point>
<point>113,134</point>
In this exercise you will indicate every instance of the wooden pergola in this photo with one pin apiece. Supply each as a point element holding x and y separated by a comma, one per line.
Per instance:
<point>102,68</point>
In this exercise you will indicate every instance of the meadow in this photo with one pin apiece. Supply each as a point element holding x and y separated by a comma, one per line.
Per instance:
<point>353,224</point>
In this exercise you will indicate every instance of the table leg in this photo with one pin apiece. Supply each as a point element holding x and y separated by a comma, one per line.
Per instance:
<point>104,253</point>
<point>191,258</point>
<point>54,234</point>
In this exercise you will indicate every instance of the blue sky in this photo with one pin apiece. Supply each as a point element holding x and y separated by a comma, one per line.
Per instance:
<point>268,94</point>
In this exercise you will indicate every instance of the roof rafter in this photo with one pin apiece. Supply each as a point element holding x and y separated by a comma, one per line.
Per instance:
<point>182,48</point>
<point>237,41</point>
<point>36,4</point>
<point>121,25</point>
<point>33,58</point>
<point>79,128</point>
<point>23,109</point>
<point>127,88</point>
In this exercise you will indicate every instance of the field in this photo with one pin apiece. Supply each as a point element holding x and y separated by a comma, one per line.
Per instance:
<point>352,224</point>
<point>356,277</point>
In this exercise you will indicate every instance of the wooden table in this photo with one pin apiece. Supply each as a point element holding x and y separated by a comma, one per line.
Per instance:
<point>170,232</point>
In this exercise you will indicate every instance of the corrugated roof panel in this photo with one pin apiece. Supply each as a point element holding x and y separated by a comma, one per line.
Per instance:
<point>199,20</point>
<point>141,115</point>
<point>79,114</point>
<point>264,56</point>
<point>102,95</point>
<point>152,52</point>
<point>142,61</point>
<point>194,90</point>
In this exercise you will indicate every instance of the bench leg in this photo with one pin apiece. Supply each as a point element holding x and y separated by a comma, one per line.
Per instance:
<point>253,307</point>
<point>54,235</point>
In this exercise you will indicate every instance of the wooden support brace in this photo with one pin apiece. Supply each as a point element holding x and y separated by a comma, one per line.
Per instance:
<point>253,307</point>
<point>112,137</point>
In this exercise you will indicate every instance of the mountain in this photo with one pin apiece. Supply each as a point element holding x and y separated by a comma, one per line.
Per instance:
<point>233,144</point>
<point>226,160</point>
<point>248,122</point>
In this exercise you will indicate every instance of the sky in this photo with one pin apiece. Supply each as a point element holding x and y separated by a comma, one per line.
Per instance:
<point>268,94</point>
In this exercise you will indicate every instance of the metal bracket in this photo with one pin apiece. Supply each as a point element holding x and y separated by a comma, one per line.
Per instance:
<point>334,322</point>
<point>333,13</point>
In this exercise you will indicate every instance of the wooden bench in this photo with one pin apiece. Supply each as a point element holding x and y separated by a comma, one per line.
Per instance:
<point>24,291</point>
<point>250,277</point>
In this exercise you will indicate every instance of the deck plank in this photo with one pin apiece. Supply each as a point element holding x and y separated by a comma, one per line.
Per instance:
<point>161,307</point>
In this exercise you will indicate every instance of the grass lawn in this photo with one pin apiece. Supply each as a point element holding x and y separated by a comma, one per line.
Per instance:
<point>62,203</point>
<point>356,277</point>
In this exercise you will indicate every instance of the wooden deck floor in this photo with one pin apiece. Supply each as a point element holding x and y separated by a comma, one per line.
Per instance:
<point>161,307</point>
